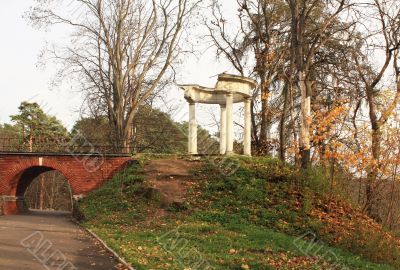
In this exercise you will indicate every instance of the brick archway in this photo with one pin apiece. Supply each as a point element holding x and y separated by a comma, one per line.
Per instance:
<point>84,173</point>
<point>25,178</point>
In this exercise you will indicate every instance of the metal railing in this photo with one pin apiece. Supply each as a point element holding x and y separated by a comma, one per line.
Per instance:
<point>63,146</point>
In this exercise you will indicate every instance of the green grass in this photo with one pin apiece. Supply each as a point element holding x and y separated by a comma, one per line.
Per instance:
<point>179,247</point>
<point>253,219</point>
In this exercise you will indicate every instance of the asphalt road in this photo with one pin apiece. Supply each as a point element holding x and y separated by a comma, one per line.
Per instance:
<point>49,240</point>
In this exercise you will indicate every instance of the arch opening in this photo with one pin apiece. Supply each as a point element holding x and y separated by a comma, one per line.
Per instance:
<point>44,188</point>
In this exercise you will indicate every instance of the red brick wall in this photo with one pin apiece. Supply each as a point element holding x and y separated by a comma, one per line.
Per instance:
<point>84,173</point>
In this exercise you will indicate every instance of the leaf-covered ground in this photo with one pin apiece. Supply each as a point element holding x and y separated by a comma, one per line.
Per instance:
<point>267,215</point>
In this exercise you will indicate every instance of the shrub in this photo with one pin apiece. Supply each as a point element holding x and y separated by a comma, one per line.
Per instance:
<point>374,244</point>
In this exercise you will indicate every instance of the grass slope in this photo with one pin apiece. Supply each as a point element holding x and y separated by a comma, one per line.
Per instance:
<point>267,215</point>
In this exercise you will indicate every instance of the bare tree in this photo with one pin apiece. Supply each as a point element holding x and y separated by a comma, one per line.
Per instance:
<point>304,45</point>
<point>255,47</point>
<point>381,36</point>
<point>121,51</point>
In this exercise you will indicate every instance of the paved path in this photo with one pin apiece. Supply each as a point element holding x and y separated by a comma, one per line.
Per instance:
<point>48,240</point>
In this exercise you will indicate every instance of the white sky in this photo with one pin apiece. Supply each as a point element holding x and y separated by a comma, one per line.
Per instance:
<point>21,80</point>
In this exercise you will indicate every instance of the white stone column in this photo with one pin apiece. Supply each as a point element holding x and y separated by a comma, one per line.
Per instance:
<point>229,124</point>
<point>222,131</point>
<point>192,129</point>
<point>247,127</point>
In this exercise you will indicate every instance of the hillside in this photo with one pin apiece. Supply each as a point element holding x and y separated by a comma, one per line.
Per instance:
<point>185,214</point>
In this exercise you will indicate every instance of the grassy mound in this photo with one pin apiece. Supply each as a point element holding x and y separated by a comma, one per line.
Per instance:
<point>267,215</point>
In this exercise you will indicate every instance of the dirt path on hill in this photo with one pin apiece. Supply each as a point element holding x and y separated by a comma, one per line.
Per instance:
<point>171,178</point>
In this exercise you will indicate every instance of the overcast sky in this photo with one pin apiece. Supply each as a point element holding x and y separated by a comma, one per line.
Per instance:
<point>21,79</point>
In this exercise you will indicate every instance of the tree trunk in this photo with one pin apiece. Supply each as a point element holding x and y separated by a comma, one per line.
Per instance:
<point>30,142</point>
<point>305,121</point>
<point>253,123</point>
<point>53,190</point>
<point>121,143</point>
<point>371,207</point>
<point>41,198</point>
<point>265,121</point>
<point>282,141</point>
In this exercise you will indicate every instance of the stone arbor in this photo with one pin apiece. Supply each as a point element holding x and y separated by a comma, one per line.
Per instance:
<point>228,90</point>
